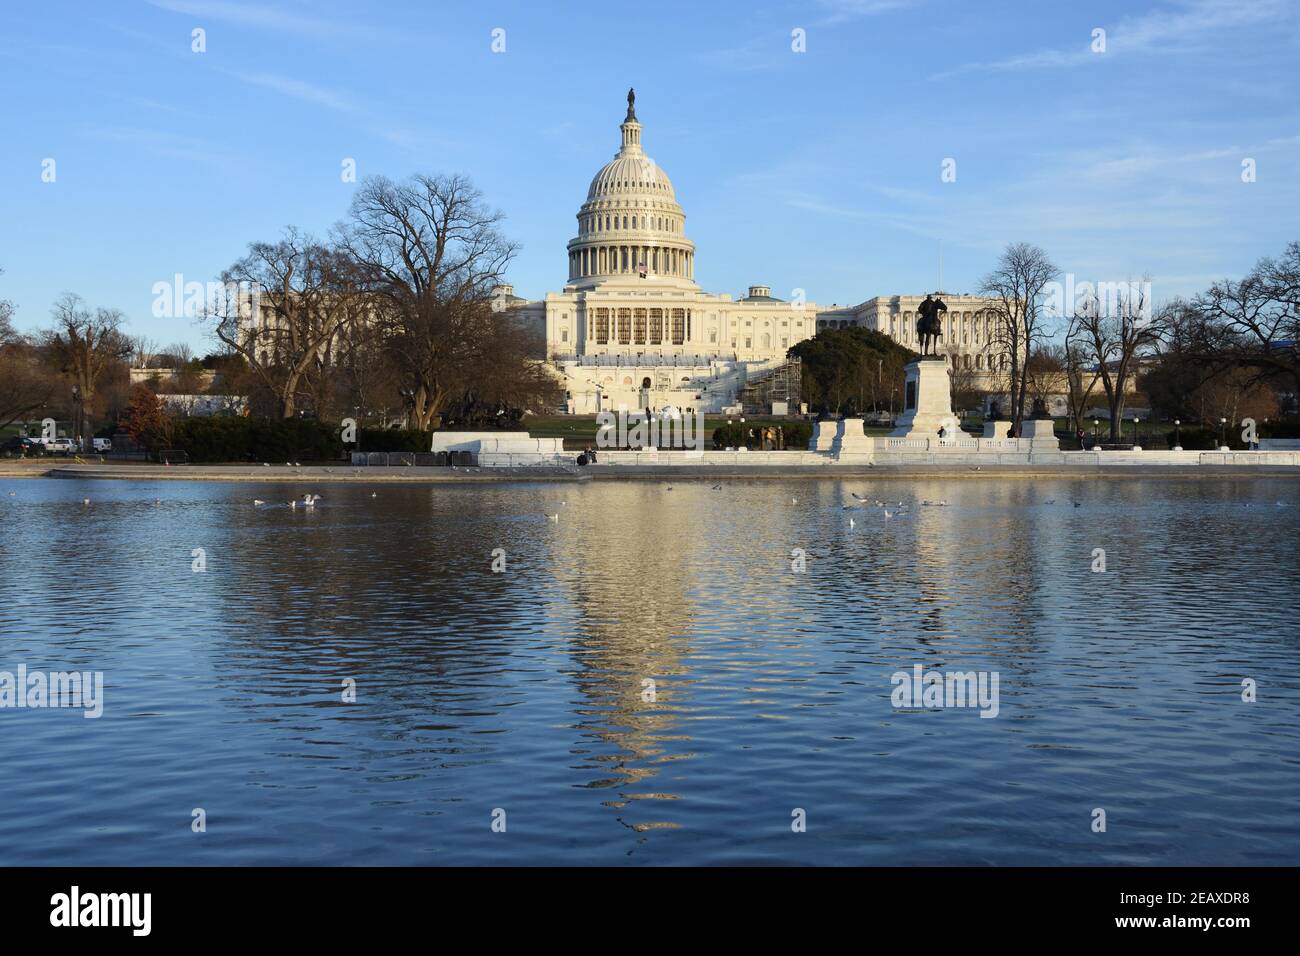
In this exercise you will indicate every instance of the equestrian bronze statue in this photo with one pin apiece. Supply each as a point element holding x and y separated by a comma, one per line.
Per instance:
<point>929,324</point>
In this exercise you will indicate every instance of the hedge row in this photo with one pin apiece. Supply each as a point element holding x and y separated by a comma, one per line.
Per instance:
<point>221,439</point>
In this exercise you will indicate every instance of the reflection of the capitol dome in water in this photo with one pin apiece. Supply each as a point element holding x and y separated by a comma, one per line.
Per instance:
<point>631,583</point>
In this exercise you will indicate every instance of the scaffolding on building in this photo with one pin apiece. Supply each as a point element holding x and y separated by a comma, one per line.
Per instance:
<point>784,383</point>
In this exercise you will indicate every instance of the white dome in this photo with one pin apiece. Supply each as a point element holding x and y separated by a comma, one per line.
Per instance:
<point>629,174</point>
<point>631,228</point>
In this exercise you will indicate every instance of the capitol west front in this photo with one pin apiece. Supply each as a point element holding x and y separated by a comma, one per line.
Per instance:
<point>631,329</point>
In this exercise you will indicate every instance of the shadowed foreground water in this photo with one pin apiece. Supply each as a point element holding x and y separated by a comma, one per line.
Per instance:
<point>525,690</point>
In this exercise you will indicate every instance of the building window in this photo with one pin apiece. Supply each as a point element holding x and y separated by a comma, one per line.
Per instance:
<point>679,326</point>
<point>602,326</point>
<point>638,326</point>
<point>625,327</point>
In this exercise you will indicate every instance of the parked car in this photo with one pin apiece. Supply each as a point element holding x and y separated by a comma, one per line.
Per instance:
<point>20,447</point>
<point>60,446</point>
<point>102,444</point>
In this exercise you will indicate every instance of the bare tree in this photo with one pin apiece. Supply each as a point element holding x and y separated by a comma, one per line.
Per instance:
<point>143,351</point>
<point>1113,336</point>
<point>967,387</point>
<point>297,294</point>
<point>180,352</point>
<point>7,331</point>
<point>26,384</point>
<point>432,254</point>
<point>1043,372</point>
<point>1260,316</point>
<point>1080,380</point>
<point>85,344</point>
<point>1016,285</point>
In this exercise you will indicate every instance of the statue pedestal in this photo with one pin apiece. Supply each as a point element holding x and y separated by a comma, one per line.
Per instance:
<point>997,429</point>
<point>927,400</point>
<point>823,435</point>
<point>850,439</point>
<point>1039,432</point>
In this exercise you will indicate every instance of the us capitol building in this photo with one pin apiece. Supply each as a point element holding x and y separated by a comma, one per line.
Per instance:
<point>631,329</point>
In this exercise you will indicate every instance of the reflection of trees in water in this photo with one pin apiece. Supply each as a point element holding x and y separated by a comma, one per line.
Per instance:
<point>390,592</point>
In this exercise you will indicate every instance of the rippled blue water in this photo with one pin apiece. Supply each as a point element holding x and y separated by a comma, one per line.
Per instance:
<point>524,690</point>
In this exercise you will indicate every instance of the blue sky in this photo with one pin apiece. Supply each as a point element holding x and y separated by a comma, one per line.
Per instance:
<point>817,170</point>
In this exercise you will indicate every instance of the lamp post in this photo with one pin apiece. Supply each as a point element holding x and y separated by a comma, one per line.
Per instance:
<point>1136,443</point>
<point>1178,435</point>
<point>1223,432</point>
<point>1095,425</point>
<point>76,411</point>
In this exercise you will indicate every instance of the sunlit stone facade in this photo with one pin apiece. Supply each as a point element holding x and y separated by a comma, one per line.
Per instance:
<point>632,329</point>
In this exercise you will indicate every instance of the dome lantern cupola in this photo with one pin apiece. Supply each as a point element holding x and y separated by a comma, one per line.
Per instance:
<point>631,128</point>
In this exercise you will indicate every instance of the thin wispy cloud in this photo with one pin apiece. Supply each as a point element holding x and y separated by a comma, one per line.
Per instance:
<point>163,144</point>
<point>841,11</point>
<point>1187,26</point>
<point>262,16</point>
<point>298,89</point>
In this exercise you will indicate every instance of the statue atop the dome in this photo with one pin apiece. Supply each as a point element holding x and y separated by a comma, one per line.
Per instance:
<point>631,106</point>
